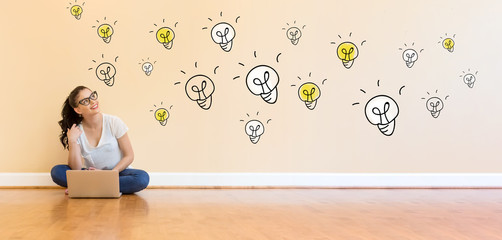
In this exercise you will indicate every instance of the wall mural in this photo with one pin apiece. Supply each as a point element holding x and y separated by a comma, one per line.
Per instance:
<point>76,10</point>
<point>147,66</point>
<point>254,128</point>
<point>262,79</point>
<point>434,104</point>
<point>382,111</point>
<point>309,92</point>
<point>347,52</point>
<point>105,71</point>
<point>223,34</point>
<point>105,30</point>
<point>161,114</point>
<point>448,42</point>
<point>410,55</point>
<point>469,78</point>
<point>165,35</point>
<point>293,33</point>
<point>200,88</point>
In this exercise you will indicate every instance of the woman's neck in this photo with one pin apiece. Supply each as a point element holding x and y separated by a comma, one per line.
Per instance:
<point>93,121</point>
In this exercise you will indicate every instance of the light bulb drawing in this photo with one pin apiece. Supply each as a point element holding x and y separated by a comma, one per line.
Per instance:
<point>382,111</point>
<point>293,33</point>
<point>448,43</point>
<point>105,71</point>
<point>469,78</point>
<point>347,52</point>
<point>165,35</point>
<point>410,56</point>
<point>309,93</point>
<point>262,80</point>
<point>161,114</point>
<point>76,10</point>
<point>105,31</point>
<point>223,34</point>
<point>147,66</point>
<point>434,105</point>
<point>254,129</point>
<point>200,88</point>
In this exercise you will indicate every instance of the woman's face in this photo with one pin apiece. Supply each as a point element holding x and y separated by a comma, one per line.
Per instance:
<point>87,102</point>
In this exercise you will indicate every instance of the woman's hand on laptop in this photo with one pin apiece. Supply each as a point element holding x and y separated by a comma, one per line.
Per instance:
<point>93,169</point>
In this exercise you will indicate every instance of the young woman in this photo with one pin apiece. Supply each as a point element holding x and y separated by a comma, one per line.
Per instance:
<point>100,139</point>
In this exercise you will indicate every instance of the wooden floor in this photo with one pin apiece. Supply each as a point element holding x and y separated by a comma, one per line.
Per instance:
<point>255,214</point>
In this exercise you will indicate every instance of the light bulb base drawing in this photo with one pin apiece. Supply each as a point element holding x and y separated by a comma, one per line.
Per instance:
<point>109,82</point>
<point>295,41</point>
<point>470,85</point>
<point>205,103</point>
<point>347,64</point>
<point>450,49</point>
<point>148,73</point>
<point>435,114</point>
<point>78,16</point>
<point>387,129</point>
<point>270,97</point>
<point>226,46</point>
<point>163,123</point>
<point>254,140</point>
<point>168,45</point>
<point>311,105</point>
<point>107,39</point>
<point>410,64</point>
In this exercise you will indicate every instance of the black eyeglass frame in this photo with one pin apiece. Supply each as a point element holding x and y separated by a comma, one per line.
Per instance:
<point>86,101</point>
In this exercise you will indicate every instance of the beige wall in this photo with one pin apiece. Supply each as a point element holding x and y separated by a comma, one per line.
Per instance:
<point>46,52</point>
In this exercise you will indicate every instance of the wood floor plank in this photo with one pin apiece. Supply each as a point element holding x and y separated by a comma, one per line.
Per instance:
<point>255,214</point>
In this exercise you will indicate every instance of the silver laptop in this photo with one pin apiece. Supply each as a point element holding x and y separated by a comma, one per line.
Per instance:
<point>93,184</point>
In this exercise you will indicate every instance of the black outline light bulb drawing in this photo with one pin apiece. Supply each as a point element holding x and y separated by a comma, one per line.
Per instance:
<point>263,80</point>
<point>147,68</point>
<point>469,79</point>
<point>105,71</point>
<point>254,129</point>
<point>382,111</point>
<point>223,34</point>
<point>200,88</point>
<point>434,106</point>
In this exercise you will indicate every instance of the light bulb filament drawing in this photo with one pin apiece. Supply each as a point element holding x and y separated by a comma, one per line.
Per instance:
<point>223,36</point>
<point>263,83</point>
<point>309,94</point>
<point>200,91</point>
<point>347,53</point>
<point>377,112</point>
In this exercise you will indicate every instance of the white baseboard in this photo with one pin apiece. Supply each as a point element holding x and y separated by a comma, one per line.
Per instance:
<point>345,180</point>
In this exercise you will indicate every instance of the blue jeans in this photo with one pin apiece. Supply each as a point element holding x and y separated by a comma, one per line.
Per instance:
<point>130,180</point>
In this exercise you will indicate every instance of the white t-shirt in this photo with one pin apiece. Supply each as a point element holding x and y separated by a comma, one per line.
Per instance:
<point>107,154</point>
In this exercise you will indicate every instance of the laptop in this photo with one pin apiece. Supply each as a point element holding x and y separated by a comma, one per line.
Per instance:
<point>93,184</point>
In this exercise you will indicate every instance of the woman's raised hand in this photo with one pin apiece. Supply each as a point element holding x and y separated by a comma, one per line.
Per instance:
<point>73,133</point>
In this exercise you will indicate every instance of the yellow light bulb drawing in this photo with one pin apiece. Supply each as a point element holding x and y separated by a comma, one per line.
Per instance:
<point>309,93</point>
<point>162,115</point>
<point>165,36</point>
<point>105,31</point>
<point>76,11</point>
<point>347,52</point>
<point>448,44</point>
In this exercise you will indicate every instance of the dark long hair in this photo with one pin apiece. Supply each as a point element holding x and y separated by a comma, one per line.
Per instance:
<point>69,116</point>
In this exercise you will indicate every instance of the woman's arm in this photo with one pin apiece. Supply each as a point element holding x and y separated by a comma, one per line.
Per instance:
<point>74,152</point>
<point>127,153</point>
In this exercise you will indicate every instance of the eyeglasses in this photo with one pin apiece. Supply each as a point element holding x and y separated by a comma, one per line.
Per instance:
<point>86,101</point>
